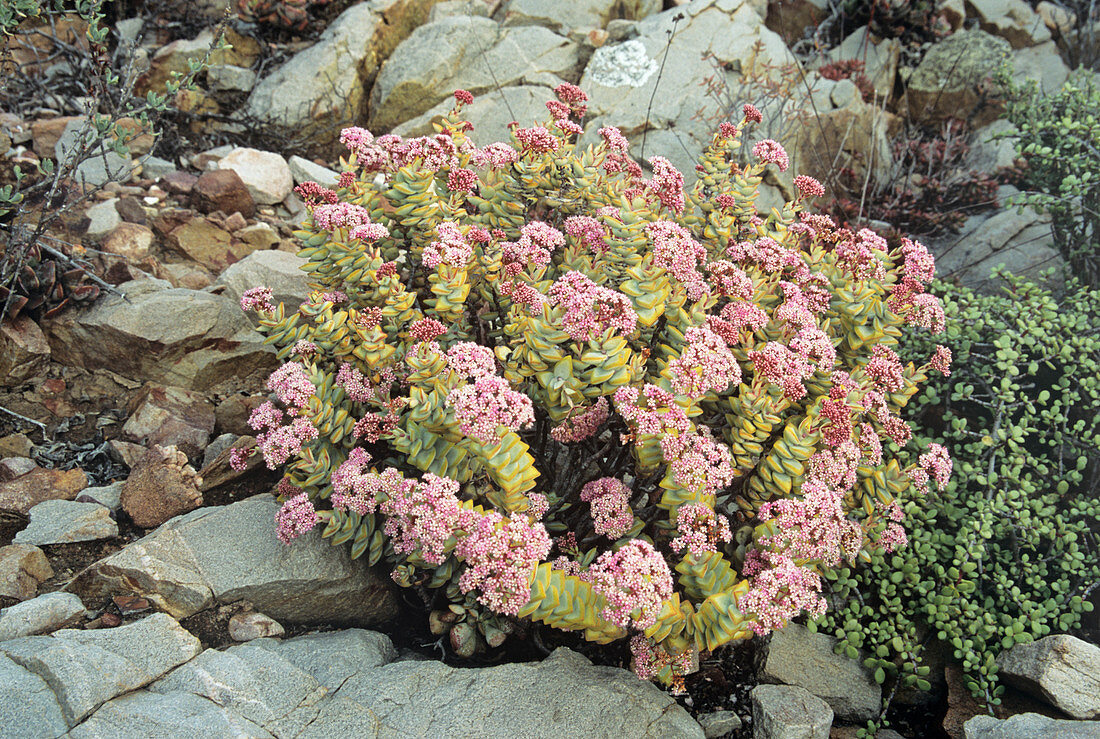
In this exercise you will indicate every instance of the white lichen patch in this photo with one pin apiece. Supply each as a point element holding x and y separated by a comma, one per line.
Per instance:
<point>623,65</point>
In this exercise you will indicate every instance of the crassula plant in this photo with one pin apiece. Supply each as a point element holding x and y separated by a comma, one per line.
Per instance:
<point>543,386</point>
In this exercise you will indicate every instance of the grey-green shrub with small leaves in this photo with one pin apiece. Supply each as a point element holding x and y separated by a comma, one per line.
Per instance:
<point>1009,551</point>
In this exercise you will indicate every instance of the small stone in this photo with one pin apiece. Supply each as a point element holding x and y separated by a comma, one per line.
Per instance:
<point>224,190</point>
<point>38,485</point>
<point>108,496</point>
<point>304,170</point>
<point>1029,726</point>
<point>104,219</point>
<point>39,615</point>
<point>719,723</point>
<point>128,605</point>
<point>131,241</point>
<point>155,168</point>
<point>13,467</point>
<point>217,446</point>
<point>24,351</point>
<point>208,160</point>
<point>161,486</point>
<point>265,174</point>
<point>203,242</point>
<point>102,166</point>
<point>66,521</point>
<point>22,567</point>
<point>180,183</point>
<point>16,445</point>
<point>128,452</point>
<point>789,712</point>
<point>131,210</point>
<point>235,222</point>
<point>170,416</point>
<point>260,235</point>
<point>46,133</point>
<point>227,77</point>
<point>249,626</point>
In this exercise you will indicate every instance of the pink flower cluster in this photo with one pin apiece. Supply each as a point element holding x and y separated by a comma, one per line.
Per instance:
<point>657,415</point>
<point>390,152</point>
<point>501,555</point>
<point>885,369</point>
<point>452,248</point>
<point>893,535</point>
<point>700,529</point>
<point>704,364</point>
<point>617,160</point>
<point>258,299</point>
<point>583,425</point>
<point>470,360</point>
<point>354,488</point>
<point>422,516</point>
<point>461,180</point>
<point>280,443</point>
<point>426,329</point>
<point>769,151</point>
<point>813,528</point>
<point>589,310</point>
<point>648,659</point>
<point>835,467</point>
<point>537,139</point>
<point>588,230</point>
<point>634,580</point>
<point>935,463</point>
<point>751,113</point>
<point>908,297</point>
<point>856,254</point>
<point>610,502</point>
<point>311,193</point>
<point>699,463</point>
<point>667,184</point>
<point>495,156</point>
<point>736,317</point>
<point>808,187</point>
<point>730,280</point>
<point>781,366</point>
<point>766,252</point>
<point>487,404</point>
<point>296,517</point>
<point>941,360</point>
<point>291,383</point>
<point>574,97</point>
<point>355,385</point>
<point>674,249</point>
<point>537,240</point>
<point>780,591</point>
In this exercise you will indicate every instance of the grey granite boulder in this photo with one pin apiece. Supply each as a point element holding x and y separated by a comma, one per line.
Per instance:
<point>798,657</point>
<point>1029,726</point>
<point>463,52</point>
<point>39,615</point>
<point>142,714</point>
<point>948,81</point>
<point>789,712</point>
<point>577,15</point>
<point>279,270</point>
<point>28,708</point>
<point>66,521</point>
<point>223,554</point>
<point>1061,669</point>
<point>87,668</point>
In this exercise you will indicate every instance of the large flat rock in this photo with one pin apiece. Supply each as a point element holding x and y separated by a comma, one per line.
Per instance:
<point>224,554</point>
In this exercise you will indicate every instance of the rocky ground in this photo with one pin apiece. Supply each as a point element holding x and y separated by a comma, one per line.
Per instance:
<point>145,592</point>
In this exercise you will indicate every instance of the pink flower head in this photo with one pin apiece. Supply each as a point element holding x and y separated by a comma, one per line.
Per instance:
<point>657,414</point>
<point>501,555</point>
<point>422,516</point>
<point>941,361</point>
<point>808,186</point>
<point>471,360</point>
<point>729,279</point>
<point>265,416</point>
<point>495,156</point>
<point>766,252</point>
<point>751,113</point>
<point>258,299</point>
<point>583,425</point>
<point>937,463</point>
<point>354,488</point>
<point>920,265</point>
<point>487,404</point>
<point>296,517</point>
<point>726,130</point>
<point>674,249</point>
<point>700,529</point>
<point>461,180</point>
<point>452,248</point>
<point>305,348</point>
<point>340,215</point>
<point>588,230</point>
<point>769,151</point>
<point>568,127</point>
<point>635,581</point>
<point>589,310</point>
<point>426,329</point>
<point>780,592</point>
<point>536,139</point>
<point>282,443</point>
<point>464,97</point>
<point>885,369</point>
<point>355,385</point>
<point>610,500</point>
<point>927,312</point>
<point>667,184</point>
<point>704,364</point>
<point>780,366</point>
<point>311,194</point>
<point>291,383</point>
<point>735,318</point>
<point>699,462</point>
<point>574,97</point>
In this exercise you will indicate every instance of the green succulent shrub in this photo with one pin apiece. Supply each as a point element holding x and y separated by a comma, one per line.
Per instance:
<point>1059,141</point>
<point>530,339</point>
<point>1009,551</point>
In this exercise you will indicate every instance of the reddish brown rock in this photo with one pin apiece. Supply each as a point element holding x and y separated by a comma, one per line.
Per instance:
<point>161,486</point>
<point>186,274</point>
<point>210,246</point>
<point>26,491</point>
<point>130,240</point>
<point>224,190</point>
<point>131,210</point>
<point>180,183</point>
<point>219,472</point>
<point>128,452</point>
<point>170,416</point>
<point>24,351</point>
<point>47,132</point>
<point>232,414</point>
<point>13,467</point>
<point>235,222</point>
<point>22,567</point>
